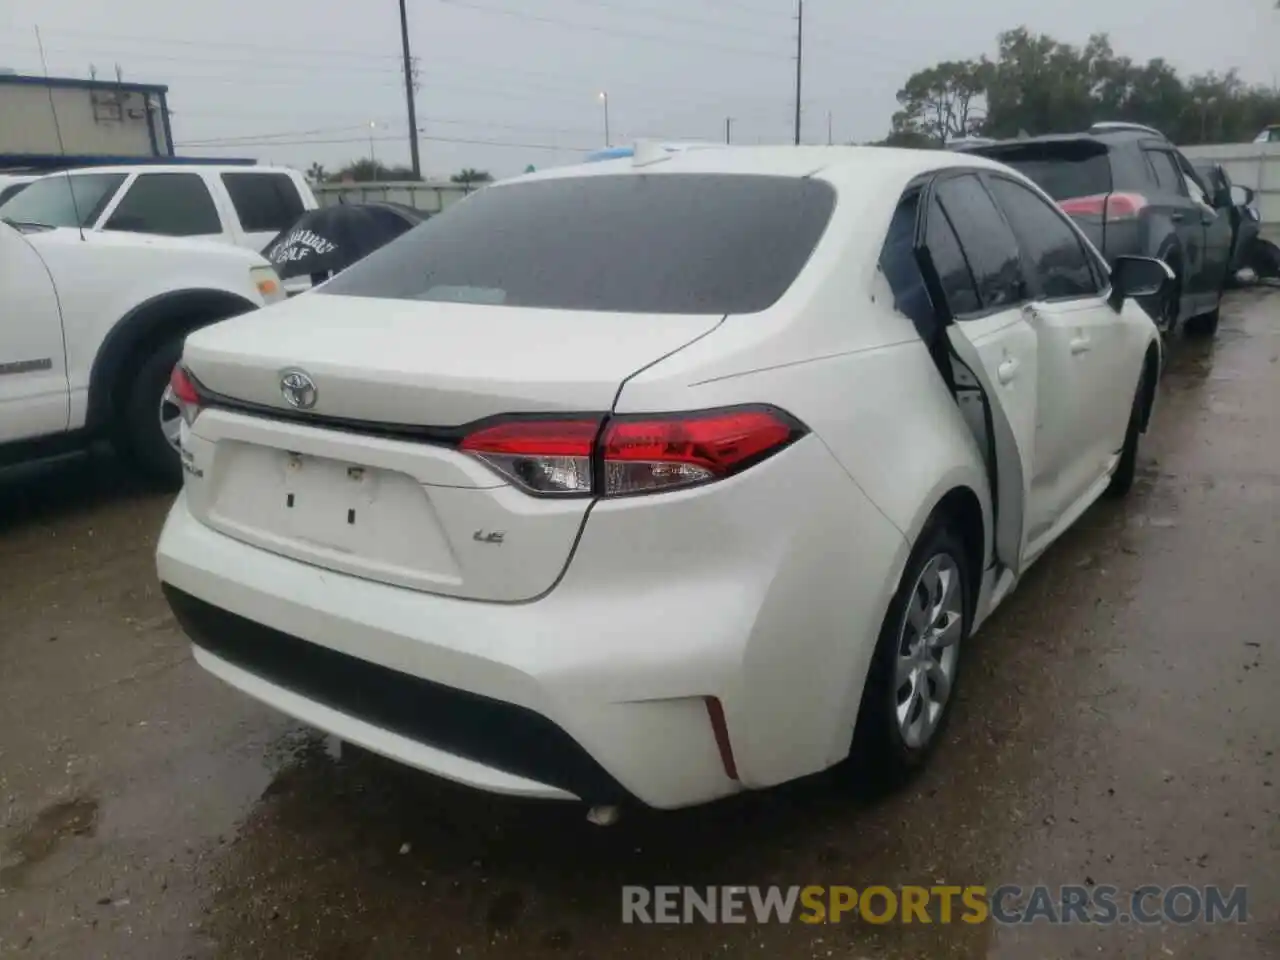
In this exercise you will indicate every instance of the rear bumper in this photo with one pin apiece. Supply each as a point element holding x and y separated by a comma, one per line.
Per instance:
<point>764,593</point>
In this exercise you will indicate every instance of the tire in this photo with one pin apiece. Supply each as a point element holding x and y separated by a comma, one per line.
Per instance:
<point>139,436</point>
<point>1206,324</point>
<point>1170,304</point>
<point>884,754</point>
<point>1122,480</point>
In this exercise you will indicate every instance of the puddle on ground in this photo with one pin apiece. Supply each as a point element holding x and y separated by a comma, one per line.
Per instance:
<point>39,839</point>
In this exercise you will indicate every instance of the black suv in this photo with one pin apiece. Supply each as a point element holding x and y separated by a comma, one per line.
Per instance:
<point>1133,192</point>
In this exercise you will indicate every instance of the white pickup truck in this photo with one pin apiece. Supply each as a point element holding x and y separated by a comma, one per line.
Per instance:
<point>238,204</point>
<point>91,325</point>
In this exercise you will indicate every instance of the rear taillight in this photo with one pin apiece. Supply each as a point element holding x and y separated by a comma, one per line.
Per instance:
<point>1109,206</point>
<point>185,395</point>
<point>631,454</point>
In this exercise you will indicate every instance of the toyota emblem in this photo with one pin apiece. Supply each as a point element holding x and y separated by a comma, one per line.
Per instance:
<point>298,388</point>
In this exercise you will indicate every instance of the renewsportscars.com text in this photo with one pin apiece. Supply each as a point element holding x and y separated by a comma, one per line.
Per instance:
<point>1008,904</point>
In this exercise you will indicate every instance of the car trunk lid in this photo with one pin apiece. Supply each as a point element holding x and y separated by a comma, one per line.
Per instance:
<point>370,481</point>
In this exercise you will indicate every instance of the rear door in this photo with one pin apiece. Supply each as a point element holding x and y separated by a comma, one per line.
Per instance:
<point>1085,383</point>
<point>974,270</point>
<point>1173,200</point>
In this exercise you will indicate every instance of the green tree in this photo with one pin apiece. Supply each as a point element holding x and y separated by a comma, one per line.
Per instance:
<point>941,103</point>
<point>469,177</point>
<point>364,170</point>
<point>316,173</point>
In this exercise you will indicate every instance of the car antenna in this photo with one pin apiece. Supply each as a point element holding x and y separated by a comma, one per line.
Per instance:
<point>57,129</point>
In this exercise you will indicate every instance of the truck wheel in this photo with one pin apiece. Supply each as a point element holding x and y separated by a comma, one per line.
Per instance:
<point>141,435</point>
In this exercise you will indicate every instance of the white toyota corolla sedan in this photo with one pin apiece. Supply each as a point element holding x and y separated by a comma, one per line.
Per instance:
<point>661,478</point>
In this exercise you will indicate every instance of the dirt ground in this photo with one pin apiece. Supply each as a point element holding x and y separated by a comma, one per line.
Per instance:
<point>1118,723</point>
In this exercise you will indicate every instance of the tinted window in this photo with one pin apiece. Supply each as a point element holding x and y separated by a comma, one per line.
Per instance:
<point>898,262</point>
<point>988,244</point>
<point>1052,253</point>
<point>949,262</point>
<point>11,191</point>
<point>1166,170</point>
<point>60,201</point>
<point>655,243</point>
<point>1063,171</point>
<point>170,204</point>
<point>264,201</point>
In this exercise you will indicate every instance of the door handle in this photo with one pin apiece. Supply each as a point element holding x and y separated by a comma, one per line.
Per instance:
<point>1080,345</point>
<point>1007,371</point>
<point>1177,216</point>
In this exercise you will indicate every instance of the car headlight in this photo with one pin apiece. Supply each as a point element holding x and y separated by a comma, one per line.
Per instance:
<point>268,283</point>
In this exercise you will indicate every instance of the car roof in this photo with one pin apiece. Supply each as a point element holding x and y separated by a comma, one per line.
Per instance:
<point>876,167</point>
<point>175,168</point>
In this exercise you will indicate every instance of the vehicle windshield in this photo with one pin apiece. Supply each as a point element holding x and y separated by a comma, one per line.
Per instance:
<point>49,201</point>
<point>634,243</point>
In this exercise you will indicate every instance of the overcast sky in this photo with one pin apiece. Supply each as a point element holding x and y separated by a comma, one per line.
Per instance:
<point>521,79</point>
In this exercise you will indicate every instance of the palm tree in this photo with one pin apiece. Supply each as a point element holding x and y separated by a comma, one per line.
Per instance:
<point>467,177</point>
<point>316,173</point>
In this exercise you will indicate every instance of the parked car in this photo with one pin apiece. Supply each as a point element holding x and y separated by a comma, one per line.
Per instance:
<point>245,206</point>
<point>1238,201</point>
<point>1269,134</point>
<point>102,321</point>
<point>12,184</point>
<point>1132,192</point>
<point>669,501</point>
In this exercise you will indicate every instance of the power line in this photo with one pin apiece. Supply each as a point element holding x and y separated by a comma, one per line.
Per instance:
<point>656,14</point>
<point>609,31</point>
<point>250,138</point>
<point>272,48</point>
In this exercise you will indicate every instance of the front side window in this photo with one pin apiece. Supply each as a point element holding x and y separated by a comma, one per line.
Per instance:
<point>988,244</point>
<point>61,200</point>
<point>1053,254</point>
<point>630,243</point>
<point>169,204</point>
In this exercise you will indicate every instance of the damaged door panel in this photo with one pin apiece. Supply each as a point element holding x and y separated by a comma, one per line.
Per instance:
<point>966,303</point>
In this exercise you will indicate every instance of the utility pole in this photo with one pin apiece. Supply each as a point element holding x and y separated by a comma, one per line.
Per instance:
<point>728,129</point>
<point>799,62</point>
<point>830,138</point>
<point>414,159</point>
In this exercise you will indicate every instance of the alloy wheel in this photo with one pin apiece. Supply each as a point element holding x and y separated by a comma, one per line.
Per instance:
<point>928,650</point>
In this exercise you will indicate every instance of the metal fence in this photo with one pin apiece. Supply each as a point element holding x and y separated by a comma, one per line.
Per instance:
<point>429,197</point>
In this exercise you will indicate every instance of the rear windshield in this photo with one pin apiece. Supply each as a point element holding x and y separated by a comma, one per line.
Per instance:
<point>1061,170</point>
<point>655,243</point>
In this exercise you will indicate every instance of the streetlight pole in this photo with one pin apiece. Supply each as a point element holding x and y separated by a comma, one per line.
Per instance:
<point>604,99</point>
<point>799,62</point>
<point>373,160</point>
<point>728,129</point>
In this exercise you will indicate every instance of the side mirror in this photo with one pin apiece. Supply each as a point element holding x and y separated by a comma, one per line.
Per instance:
<point>1241,196</point>
<point>1138,277</point>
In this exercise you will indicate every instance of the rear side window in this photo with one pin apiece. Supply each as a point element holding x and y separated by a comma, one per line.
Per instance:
<point>949,261</point>
<point>169,204</point>
<point>898,263</point>
<point>985,238</point>
<point>1054,255</point>
<point>1166,171</point>
<point>264,201</point>
<point>1062,171</point>
<point>631,243</point>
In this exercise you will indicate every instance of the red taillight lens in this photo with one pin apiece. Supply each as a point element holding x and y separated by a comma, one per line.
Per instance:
<point>543,456</point>
<point>1110,206</point>
<point>185,394</point>
<point>647,454</point>
<point>639,454</point>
